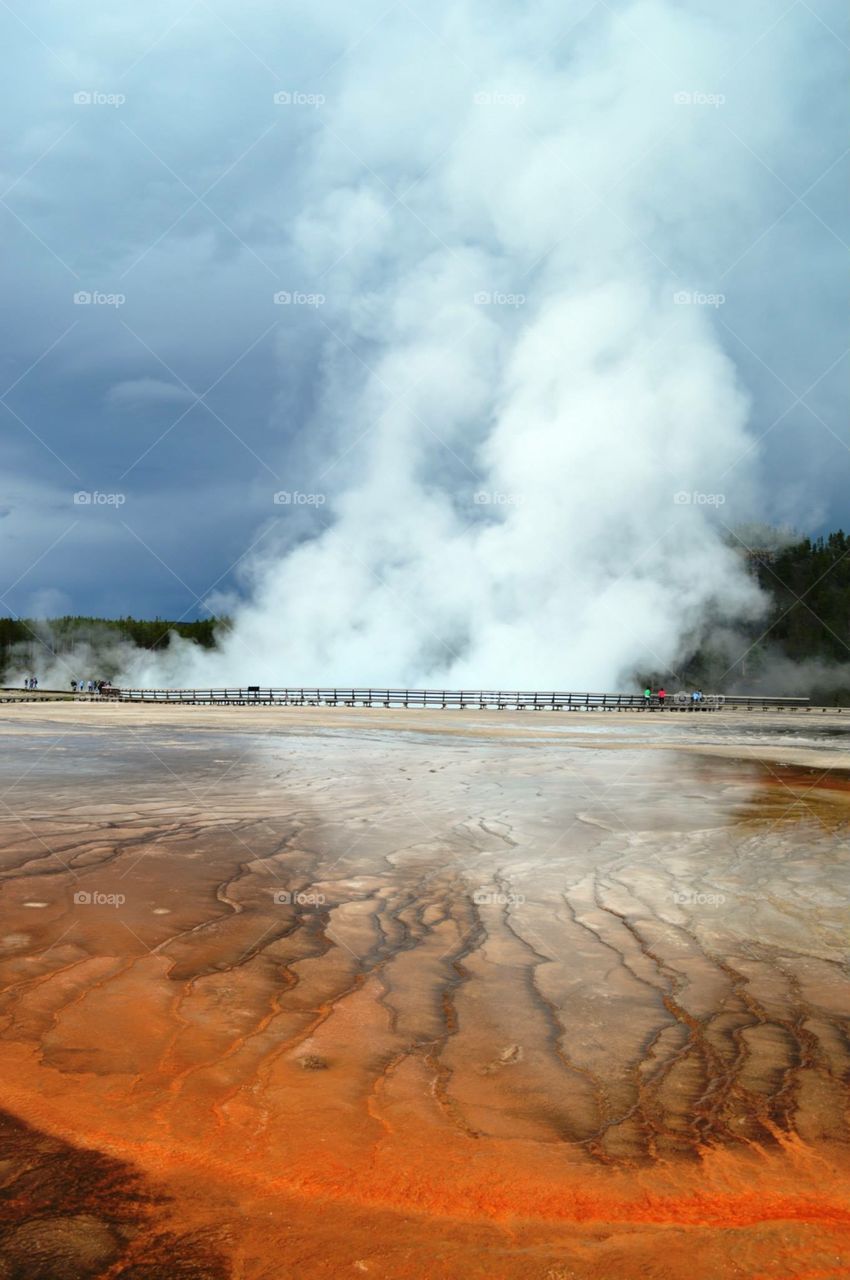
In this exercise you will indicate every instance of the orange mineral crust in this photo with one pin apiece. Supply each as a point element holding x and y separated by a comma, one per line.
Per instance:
<point>319,1002</point>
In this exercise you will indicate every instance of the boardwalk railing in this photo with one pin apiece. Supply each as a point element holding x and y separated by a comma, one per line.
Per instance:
<point>458,699</point>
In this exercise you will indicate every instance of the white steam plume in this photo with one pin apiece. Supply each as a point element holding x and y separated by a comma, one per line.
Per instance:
<point>501,490</point>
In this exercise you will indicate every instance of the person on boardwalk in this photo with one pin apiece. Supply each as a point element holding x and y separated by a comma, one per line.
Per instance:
<point>647,697</point>
<point>662,694</point>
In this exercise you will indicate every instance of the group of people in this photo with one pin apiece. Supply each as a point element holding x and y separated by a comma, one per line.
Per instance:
<point>659,697</point>
<point>89,686</point>
<point>77,686</point>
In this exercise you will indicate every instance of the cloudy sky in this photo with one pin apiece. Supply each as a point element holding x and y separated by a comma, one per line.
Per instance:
<point>237,235</point>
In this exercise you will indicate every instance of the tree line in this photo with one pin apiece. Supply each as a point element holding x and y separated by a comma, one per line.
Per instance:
<point>807,623</point>
<point>30,642</point>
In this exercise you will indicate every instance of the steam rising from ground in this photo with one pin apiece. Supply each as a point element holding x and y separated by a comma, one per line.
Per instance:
<point>528,438</point>
<point>576,568</point>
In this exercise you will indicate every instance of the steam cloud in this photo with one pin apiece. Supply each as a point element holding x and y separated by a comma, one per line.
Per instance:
<point>521,235</point>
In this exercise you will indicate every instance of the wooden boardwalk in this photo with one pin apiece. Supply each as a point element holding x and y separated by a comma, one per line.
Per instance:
<point>458,699</point>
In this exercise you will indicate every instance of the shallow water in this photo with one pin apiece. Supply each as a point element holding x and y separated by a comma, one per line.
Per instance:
<point>400,1005</point>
